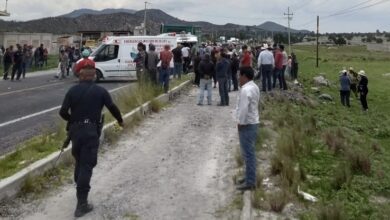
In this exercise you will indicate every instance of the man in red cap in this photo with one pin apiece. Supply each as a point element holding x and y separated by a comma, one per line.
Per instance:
<point>84,62</point>
<point>82,109</point>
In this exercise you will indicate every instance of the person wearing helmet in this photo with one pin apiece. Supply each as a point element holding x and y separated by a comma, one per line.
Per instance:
<point>84,62</point>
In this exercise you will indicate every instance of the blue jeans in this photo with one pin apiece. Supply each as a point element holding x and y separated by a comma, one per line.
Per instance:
<point>223,91</point>
<point>164,78</point>
<point>266,72</point>
<point>178,70</point>
<point>277,76</point>
<point>205,84</point>
<point>247,135</point>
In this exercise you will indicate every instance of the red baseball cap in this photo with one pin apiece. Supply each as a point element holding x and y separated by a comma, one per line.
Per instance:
<point>87,63</point>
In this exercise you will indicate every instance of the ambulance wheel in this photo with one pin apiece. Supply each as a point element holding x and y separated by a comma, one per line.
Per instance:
<point>99,76</point>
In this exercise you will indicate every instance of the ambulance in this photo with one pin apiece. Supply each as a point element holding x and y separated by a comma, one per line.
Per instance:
<point>114,58</point>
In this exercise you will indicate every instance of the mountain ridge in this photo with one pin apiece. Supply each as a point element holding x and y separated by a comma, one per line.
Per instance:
<point>126,20</point>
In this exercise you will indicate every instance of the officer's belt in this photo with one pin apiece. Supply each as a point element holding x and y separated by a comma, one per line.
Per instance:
<point>85,122</point>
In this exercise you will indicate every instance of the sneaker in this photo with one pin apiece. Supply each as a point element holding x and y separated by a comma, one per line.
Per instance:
<point>244,187</point>
<point>83,209</point>
<point>200,104</point>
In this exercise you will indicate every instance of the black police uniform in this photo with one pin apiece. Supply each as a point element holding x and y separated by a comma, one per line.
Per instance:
<point>85,102</point>
<point>17,67</point>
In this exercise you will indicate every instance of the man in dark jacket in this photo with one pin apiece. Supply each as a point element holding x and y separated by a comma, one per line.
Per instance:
<point>141,63</point>
<point>7,63</point>
<point>345,87</point>
<point>82,108</point>
<point>152,64</point>
<point>18,61</point>
<point>235,66</point>
<point>196,61</point>
<point>206,72</point>
<point>222,69</point>
<point>177,61</point>
<point>363,89</point>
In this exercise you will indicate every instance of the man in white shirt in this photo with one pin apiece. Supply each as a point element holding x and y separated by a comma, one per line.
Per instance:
<point>186,58</point>
<point>247,115</point>
<point>266,63</point>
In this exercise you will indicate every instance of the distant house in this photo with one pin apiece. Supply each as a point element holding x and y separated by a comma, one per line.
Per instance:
<point>50,41</point>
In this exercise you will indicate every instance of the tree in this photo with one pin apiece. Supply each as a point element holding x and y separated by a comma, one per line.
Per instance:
<point>379,40</point>
<point>280,38</point>
<point>340,41</point>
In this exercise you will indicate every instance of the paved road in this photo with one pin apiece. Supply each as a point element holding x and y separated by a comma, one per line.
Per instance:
<point>30,106</point>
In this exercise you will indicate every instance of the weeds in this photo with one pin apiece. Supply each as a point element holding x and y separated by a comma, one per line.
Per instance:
<point>342,152</point>
<point>277,201</point>
<point>52,178</point>
<point>342,176</point>
<point>32,150</point>
<point>359,162</point>
<point>331,212</point>
<point>156,106</point>
<point>258,199</point>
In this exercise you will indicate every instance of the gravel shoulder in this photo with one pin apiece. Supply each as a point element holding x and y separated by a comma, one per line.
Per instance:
<point>177,164</point>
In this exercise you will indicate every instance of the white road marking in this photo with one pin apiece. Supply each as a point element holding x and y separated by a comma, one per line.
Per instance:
<point>29,116</point>
<point>29,89</point>
<point>47,110</point>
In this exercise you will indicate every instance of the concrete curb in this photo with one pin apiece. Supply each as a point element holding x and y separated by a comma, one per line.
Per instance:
<point>10,186</point>
<point>246,213</point>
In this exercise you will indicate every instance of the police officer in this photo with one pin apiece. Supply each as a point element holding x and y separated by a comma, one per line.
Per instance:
<point>82,109</point>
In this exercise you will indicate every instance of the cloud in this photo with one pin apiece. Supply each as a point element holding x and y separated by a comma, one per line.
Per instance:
<point>246,12</point>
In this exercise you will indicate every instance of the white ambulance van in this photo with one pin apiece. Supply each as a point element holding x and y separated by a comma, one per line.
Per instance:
<point>114,58</point>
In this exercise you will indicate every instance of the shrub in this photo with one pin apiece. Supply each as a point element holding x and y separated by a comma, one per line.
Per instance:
<point>277,201</point>
<point>331,212</point>
<point>342,176</point>
<point>359,162</point>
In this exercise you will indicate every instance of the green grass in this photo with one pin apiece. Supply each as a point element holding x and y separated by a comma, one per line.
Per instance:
<point>31,151</point>
<point>340,155</point>
<point>52,62</point>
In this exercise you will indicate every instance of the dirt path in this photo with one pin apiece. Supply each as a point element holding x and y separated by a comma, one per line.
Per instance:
<point>177,164</point>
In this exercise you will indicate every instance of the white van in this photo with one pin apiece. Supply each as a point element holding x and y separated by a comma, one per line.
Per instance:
<point>114,58</point>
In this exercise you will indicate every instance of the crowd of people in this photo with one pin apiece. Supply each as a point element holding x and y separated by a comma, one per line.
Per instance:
<point>18,60</point>
<point>214,65</point>
<point>68,57</point>
<point>355,82</point>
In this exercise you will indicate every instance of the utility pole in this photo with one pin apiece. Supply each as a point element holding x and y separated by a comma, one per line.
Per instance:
<point>318,35</point>
<point>289,18</point>
<point>145,19</point>
<point>5,13</point>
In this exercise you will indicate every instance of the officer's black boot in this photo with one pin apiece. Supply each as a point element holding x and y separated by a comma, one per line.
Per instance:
<point>82,207</point>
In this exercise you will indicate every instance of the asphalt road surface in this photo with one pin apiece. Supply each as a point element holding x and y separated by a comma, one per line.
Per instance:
<point>30,106</point>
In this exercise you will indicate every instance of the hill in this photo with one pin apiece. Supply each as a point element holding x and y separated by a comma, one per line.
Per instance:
<point>125,19</point>
<point>272,26</point>
<point>85,11</point>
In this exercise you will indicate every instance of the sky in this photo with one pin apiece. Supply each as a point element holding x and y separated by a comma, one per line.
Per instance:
<point>335,15</point>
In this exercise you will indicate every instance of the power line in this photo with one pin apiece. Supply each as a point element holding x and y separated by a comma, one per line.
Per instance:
<point>351,9</point>
<point>298,7</point>
<point>354,8</point>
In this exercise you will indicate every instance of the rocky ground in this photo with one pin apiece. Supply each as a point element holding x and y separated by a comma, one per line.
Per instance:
<point>178,164</point>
